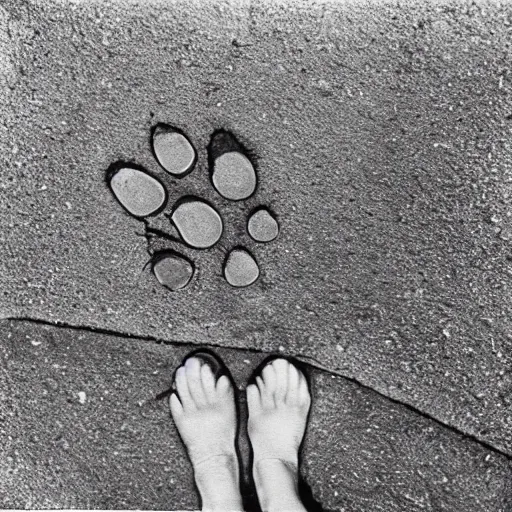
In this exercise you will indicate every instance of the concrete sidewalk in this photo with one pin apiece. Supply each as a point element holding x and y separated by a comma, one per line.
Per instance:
<point>381,136</point>
<point>84,429</point>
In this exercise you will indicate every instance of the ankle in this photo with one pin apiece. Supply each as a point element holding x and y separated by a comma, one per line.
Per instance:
<point>218,481</point>
<point>277,484</point>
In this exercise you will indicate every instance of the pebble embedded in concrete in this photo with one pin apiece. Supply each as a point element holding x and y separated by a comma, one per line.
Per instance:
<point>198,223</point>
<point>173,271</point>
<point>234,176</point>
<point>173,151</point>
<point>240,268</point>
<point>263,226</point>
<point>137,191</point>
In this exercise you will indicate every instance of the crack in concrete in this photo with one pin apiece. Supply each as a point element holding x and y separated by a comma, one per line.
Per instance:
<point>153,232</point>
<point>311,361</point>
<point>147,236</point>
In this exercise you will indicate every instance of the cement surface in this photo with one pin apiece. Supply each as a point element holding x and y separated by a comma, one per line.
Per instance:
<point>382,138</point>
<point>82,427</point>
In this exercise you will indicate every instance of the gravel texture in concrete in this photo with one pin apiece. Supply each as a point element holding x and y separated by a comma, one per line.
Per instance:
<point>381,140</point>
<point>82,426</point>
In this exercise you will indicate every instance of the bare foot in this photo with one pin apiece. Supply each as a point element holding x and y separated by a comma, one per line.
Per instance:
<point>205,416</point>
<point>278,409</point>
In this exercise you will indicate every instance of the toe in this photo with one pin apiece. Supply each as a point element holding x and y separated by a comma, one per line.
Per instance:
<point>176,407</point>
<point>281,367</point>
<point>253,399</point>
<point>268,375</point>
<point>304,395</point>
<point>224,386</point>
<point>293,386</point>
<point>266,398</point>
<point>208,381</point>
<point>267,385</point>
<point>182,388</point>
<point>195,386</point>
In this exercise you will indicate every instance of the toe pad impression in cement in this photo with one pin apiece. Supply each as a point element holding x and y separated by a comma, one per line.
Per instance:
<point>234,176</point>
<point>137,191</point>
<point>173,151</point>
<point>198,223</point>
<point>240,268</point>
<point>173,271</point>
<point>262,226</point>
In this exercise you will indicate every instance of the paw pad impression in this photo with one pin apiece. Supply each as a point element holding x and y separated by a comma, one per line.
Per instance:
<point>193,221</point>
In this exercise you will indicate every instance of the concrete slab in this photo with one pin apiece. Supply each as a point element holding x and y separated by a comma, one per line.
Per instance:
<point>81,427</point>
<point>382,141</point>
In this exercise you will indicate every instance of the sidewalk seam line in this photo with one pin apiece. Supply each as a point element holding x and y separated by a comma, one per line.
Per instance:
<point>305,359</point>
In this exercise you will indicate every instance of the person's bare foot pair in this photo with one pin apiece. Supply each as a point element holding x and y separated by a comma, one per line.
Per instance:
<point>204,411</point>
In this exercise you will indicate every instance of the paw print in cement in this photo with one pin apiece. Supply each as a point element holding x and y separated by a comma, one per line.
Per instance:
<point>193,221</point>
